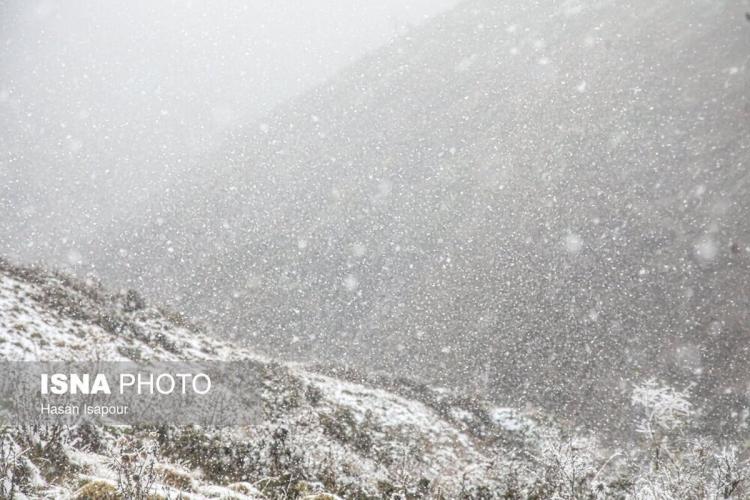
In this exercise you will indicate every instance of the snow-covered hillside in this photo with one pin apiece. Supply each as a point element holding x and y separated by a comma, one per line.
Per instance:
<point>323,434</point>
<point>319,434</point>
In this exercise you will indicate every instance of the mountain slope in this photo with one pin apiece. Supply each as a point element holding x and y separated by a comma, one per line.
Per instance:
<point>515,194</point>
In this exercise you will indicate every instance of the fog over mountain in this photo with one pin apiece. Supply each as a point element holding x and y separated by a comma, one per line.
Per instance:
<point>104,106</point>
<point>542,202</point>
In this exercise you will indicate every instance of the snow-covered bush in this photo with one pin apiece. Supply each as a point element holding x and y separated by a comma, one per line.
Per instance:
<point>47,446</point>
<point>700,470</point>
<point>564,468</point>
<point>677,464</point>
<point>9,467</point>
<point>664,408</point>
<point>17,473</point>
<point>665,414</point>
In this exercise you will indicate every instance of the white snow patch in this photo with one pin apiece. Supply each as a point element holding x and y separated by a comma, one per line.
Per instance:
<point>508,419</point>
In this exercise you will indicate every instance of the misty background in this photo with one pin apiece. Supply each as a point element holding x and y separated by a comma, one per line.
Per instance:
<point>105,105</point>
<point>539,202</point>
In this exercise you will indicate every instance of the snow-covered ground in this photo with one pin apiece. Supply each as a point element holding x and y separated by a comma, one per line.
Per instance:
<point>323,433</point>
<point>370,439</point>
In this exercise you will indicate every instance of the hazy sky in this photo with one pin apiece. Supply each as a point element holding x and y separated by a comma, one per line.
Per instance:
<point>145,61</point>
<point>102,103</point>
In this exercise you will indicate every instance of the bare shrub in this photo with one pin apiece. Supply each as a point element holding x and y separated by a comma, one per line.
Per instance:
<point>14,469</point>
<point>136,470</point>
